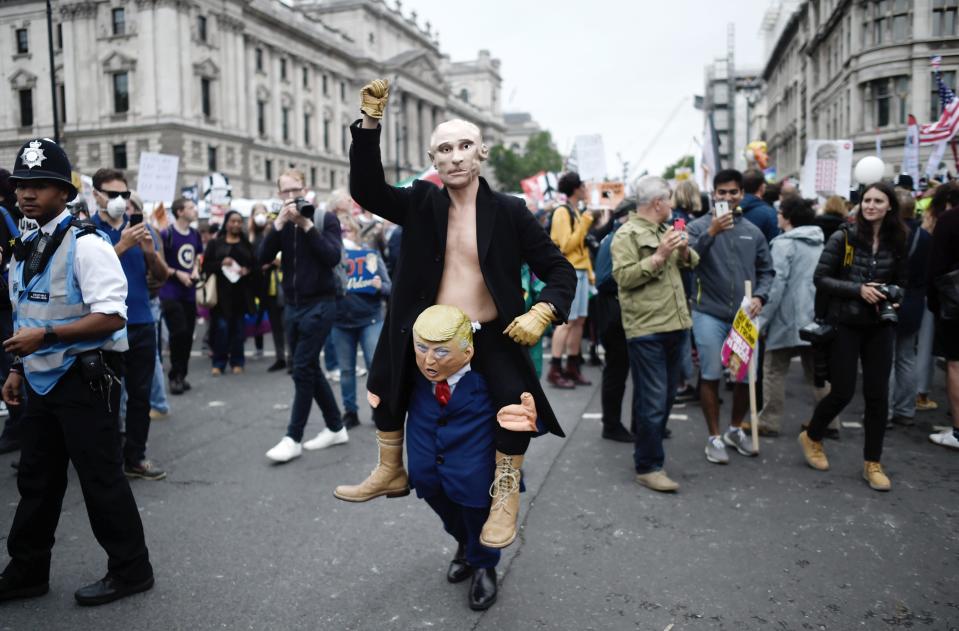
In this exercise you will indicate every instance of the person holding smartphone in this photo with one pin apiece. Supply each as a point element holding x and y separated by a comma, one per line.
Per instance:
<point>138,248</point>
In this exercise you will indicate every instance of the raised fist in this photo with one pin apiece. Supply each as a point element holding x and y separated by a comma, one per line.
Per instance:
<point>373,98</point>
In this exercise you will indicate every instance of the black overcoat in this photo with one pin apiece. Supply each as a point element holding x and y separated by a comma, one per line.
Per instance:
<point>507,236</point>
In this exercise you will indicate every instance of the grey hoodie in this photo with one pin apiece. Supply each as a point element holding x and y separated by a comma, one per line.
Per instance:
<point>791,302</point>
<point>726,262</point>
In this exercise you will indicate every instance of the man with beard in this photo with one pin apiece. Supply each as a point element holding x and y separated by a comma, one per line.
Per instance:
<point>463,245</point>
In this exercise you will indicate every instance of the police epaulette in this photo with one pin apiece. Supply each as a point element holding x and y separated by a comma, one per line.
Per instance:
<point>85,226</point>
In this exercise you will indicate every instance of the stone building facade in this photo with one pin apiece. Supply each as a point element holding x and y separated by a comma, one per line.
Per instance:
<point>246,88</point>
<point>856,69</point>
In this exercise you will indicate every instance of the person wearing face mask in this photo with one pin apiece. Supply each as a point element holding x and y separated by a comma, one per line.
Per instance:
<point>858,265</point>
<point>270,302</point>
<point>463,245</point>
<point>138,248</point>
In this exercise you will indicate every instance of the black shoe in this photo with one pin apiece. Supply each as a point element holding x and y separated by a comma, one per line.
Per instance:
<point>459,570</point>
<point>108,589</point>
<point>12,588</point>
<point>667,433</point>
<point>9,445</point>
<point>686,394</point>
<point>145,470</point>
<point>618,433</point>
<point>904,421</point>
<point>350,420</point>
<point>279,364</point>
<point>176,386</point>
<point>831,434</point>
<point>186,384</point>
<point>483,588</point>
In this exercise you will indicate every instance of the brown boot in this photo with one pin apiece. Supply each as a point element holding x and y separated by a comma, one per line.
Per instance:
<point>557,380</point>
<point>388,478</point>
<point>500,528</point>
<point>573,362</point>
<point>873,474</point>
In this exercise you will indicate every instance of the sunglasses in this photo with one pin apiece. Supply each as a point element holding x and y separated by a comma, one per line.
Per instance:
<point>115,194</point>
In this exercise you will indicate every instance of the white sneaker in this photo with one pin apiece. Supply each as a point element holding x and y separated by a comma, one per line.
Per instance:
<point>326,438</point>
<point>361,372</point>
<point>285,450</point>
<point>945,438</point>
<point>334,375</point>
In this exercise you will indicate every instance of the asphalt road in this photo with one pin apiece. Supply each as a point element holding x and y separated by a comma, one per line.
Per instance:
<point>762,543</point>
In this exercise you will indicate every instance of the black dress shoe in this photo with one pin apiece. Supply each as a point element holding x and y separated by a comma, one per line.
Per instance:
<point>483,588</point>
<point>350,420</point>
<point>186,384</point>
<point>176,386</point>
<point>12,588</point>
<point>108,589</point>
<point>279,364</point>
<point>459,570</point>
<point>618,433</point>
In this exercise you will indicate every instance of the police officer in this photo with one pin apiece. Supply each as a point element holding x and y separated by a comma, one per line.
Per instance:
<point>69,311</point>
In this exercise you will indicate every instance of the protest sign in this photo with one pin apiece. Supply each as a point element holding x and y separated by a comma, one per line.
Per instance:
<point>740,345</point>
<point>827,169</point>
<point>361,265</point>
<point>157,176</point>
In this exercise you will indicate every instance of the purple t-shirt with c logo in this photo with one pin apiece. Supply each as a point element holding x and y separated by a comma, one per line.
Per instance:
<point>180,252</point>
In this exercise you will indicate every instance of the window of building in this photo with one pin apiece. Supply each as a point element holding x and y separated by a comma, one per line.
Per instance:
<point>882,102</point>
<point>119,16</point>
<point>62,102</point>
<point>332,178</point>
<point>326,85</point>
<point>313,177</point>
<point>902,99</point>
<point>261,118</point>
<point>307,119</point>
<point>283,70</point>
<point>935,108</point>
<point>344,134</point>
<point>306,77</point>
<point>211,158</point>
<point>944,17</point>
<point>121,93</point>
<point>120,156</point>
<point>201,32</point>
<point>60,36</point>
<point>26,108</point>
<point>206,97</point>
<point>343,91</point>
<point>268,170</point>
<point>465,95</point>
<point>326,134</point>
<point>23,41</point>
<point>258,57</point>
<point>372,37</point>
<point>285,123</point>
<point>887,21</point>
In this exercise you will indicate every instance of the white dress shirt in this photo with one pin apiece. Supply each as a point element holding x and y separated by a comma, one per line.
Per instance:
<point>454,379</point>
<point>97,270</point>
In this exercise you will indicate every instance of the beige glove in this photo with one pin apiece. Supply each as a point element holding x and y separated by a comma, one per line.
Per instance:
<point>518,417</point>
<point>528,328</point>
<point>373,98</point>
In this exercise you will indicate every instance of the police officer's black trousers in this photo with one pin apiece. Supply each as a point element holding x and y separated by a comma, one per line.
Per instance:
<point>71,424</point>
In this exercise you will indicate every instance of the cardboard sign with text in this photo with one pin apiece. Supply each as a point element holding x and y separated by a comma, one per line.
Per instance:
<point>740,345</point>
<point>157,177</point>
<point>361,266</point>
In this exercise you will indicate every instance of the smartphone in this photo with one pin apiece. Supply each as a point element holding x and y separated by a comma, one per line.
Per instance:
<point>722,208</point>
<point>136,219</point>
<point>679,225</point>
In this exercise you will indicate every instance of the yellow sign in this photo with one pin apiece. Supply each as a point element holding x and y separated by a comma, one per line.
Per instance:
<point>746,327</point>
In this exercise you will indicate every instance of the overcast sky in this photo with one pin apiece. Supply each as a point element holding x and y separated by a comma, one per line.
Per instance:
<point>616,68</point>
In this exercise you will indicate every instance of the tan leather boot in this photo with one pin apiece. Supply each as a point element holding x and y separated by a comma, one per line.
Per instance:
<point>873,474</point>
<point>500,528</point>
<point>813,452</point>
<point>388,478</point>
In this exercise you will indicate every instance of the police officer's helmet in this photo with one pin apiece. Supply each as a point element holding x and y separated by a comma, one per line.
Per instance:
<point>43,159</point>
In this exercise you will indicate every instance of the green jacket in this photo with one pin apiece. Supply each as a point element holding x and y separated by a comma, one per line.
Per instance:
<point>652,300</point>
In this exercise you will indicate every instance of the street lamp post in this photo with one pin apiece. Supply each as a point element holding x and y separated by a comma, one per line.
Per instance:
<point>53,74</point>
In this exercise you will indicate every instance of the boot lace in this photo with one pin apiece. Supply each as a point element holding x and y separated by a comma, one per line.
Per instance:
<point>505,483</point>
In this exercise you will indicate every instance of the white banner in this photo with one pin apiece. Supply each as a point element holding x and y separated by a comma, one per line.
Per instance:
<point>156,177</point>
<point>590,158</point>
<point>910,152</point>
<point>938,151</point>
<point>827,169</point>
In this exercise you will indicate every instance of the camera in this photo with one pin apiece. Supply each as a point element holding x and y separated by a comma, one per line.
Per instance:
<point>305,208</point>
<point>893,295</point>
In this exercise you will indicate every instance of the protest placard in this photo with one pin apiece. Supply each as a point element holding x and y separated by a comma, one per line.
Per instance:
<point>361,265</point>
<point>157,177</point>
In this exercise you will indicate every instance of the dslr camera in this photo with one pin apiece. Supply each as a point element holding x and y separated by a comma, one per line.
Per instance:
<point>305,208</point>
<point>893,295</point>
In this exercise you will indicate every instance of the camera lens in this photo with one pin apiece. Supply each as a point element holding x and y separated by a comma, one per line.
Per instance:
<point>305,208</point>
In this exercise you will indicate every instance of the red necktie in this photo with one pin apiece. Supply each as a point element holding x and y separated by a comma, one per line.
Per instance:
<point>443,392</point>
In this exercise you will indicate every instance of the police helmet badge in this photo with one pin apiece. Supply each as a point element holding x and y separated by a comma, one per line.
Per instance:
<point>32,155</point>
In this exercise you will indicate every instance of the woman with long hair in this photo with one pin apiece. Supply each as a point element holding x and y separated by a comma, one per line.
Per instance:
<point>270,302</point>
<point>230,257</point>
<point>861,272</point>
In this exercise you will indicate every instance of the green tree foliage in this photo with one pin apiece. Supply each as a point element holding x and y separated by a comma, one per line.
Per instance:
<point>510,166</point>
<point>670,172</point>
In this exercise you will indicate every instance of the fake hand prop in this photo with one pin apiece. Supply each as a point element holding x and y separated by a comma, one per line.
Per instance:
<point>528,328</point>
<point>373,98</point>
<point>372,399</point>
<point>518,418</point>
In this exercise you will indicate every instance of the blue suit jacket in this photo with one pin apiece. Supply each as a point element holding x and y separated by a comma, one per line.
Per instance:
<point>451,449</point>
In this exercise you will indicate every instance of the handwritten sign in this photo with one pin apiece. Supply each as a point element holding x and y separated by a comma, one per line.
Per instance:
<point>156,177</point>
<point>361,266</point>
<point>740,345</point>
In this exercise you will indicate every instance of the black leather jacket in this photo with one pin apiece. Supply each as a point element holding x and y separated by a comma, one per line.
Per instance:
<point>839,285</point>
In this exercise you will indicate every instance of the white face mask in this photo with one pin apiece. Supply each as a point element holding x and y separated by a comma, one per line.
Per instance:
<point>260,220</point>
<point>116,207</point>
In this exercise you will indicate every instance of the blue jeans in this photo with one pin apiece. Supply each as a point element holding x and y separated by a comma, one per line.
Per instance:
<point>307,328</point>
<point>346,340</point>
<point>654,362</point>
<point>228,338</point>
<point>158,400</point>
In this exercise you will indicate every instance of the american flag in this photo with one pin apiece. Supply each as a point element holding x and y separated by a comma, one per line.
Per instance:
<point>944,128</point>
